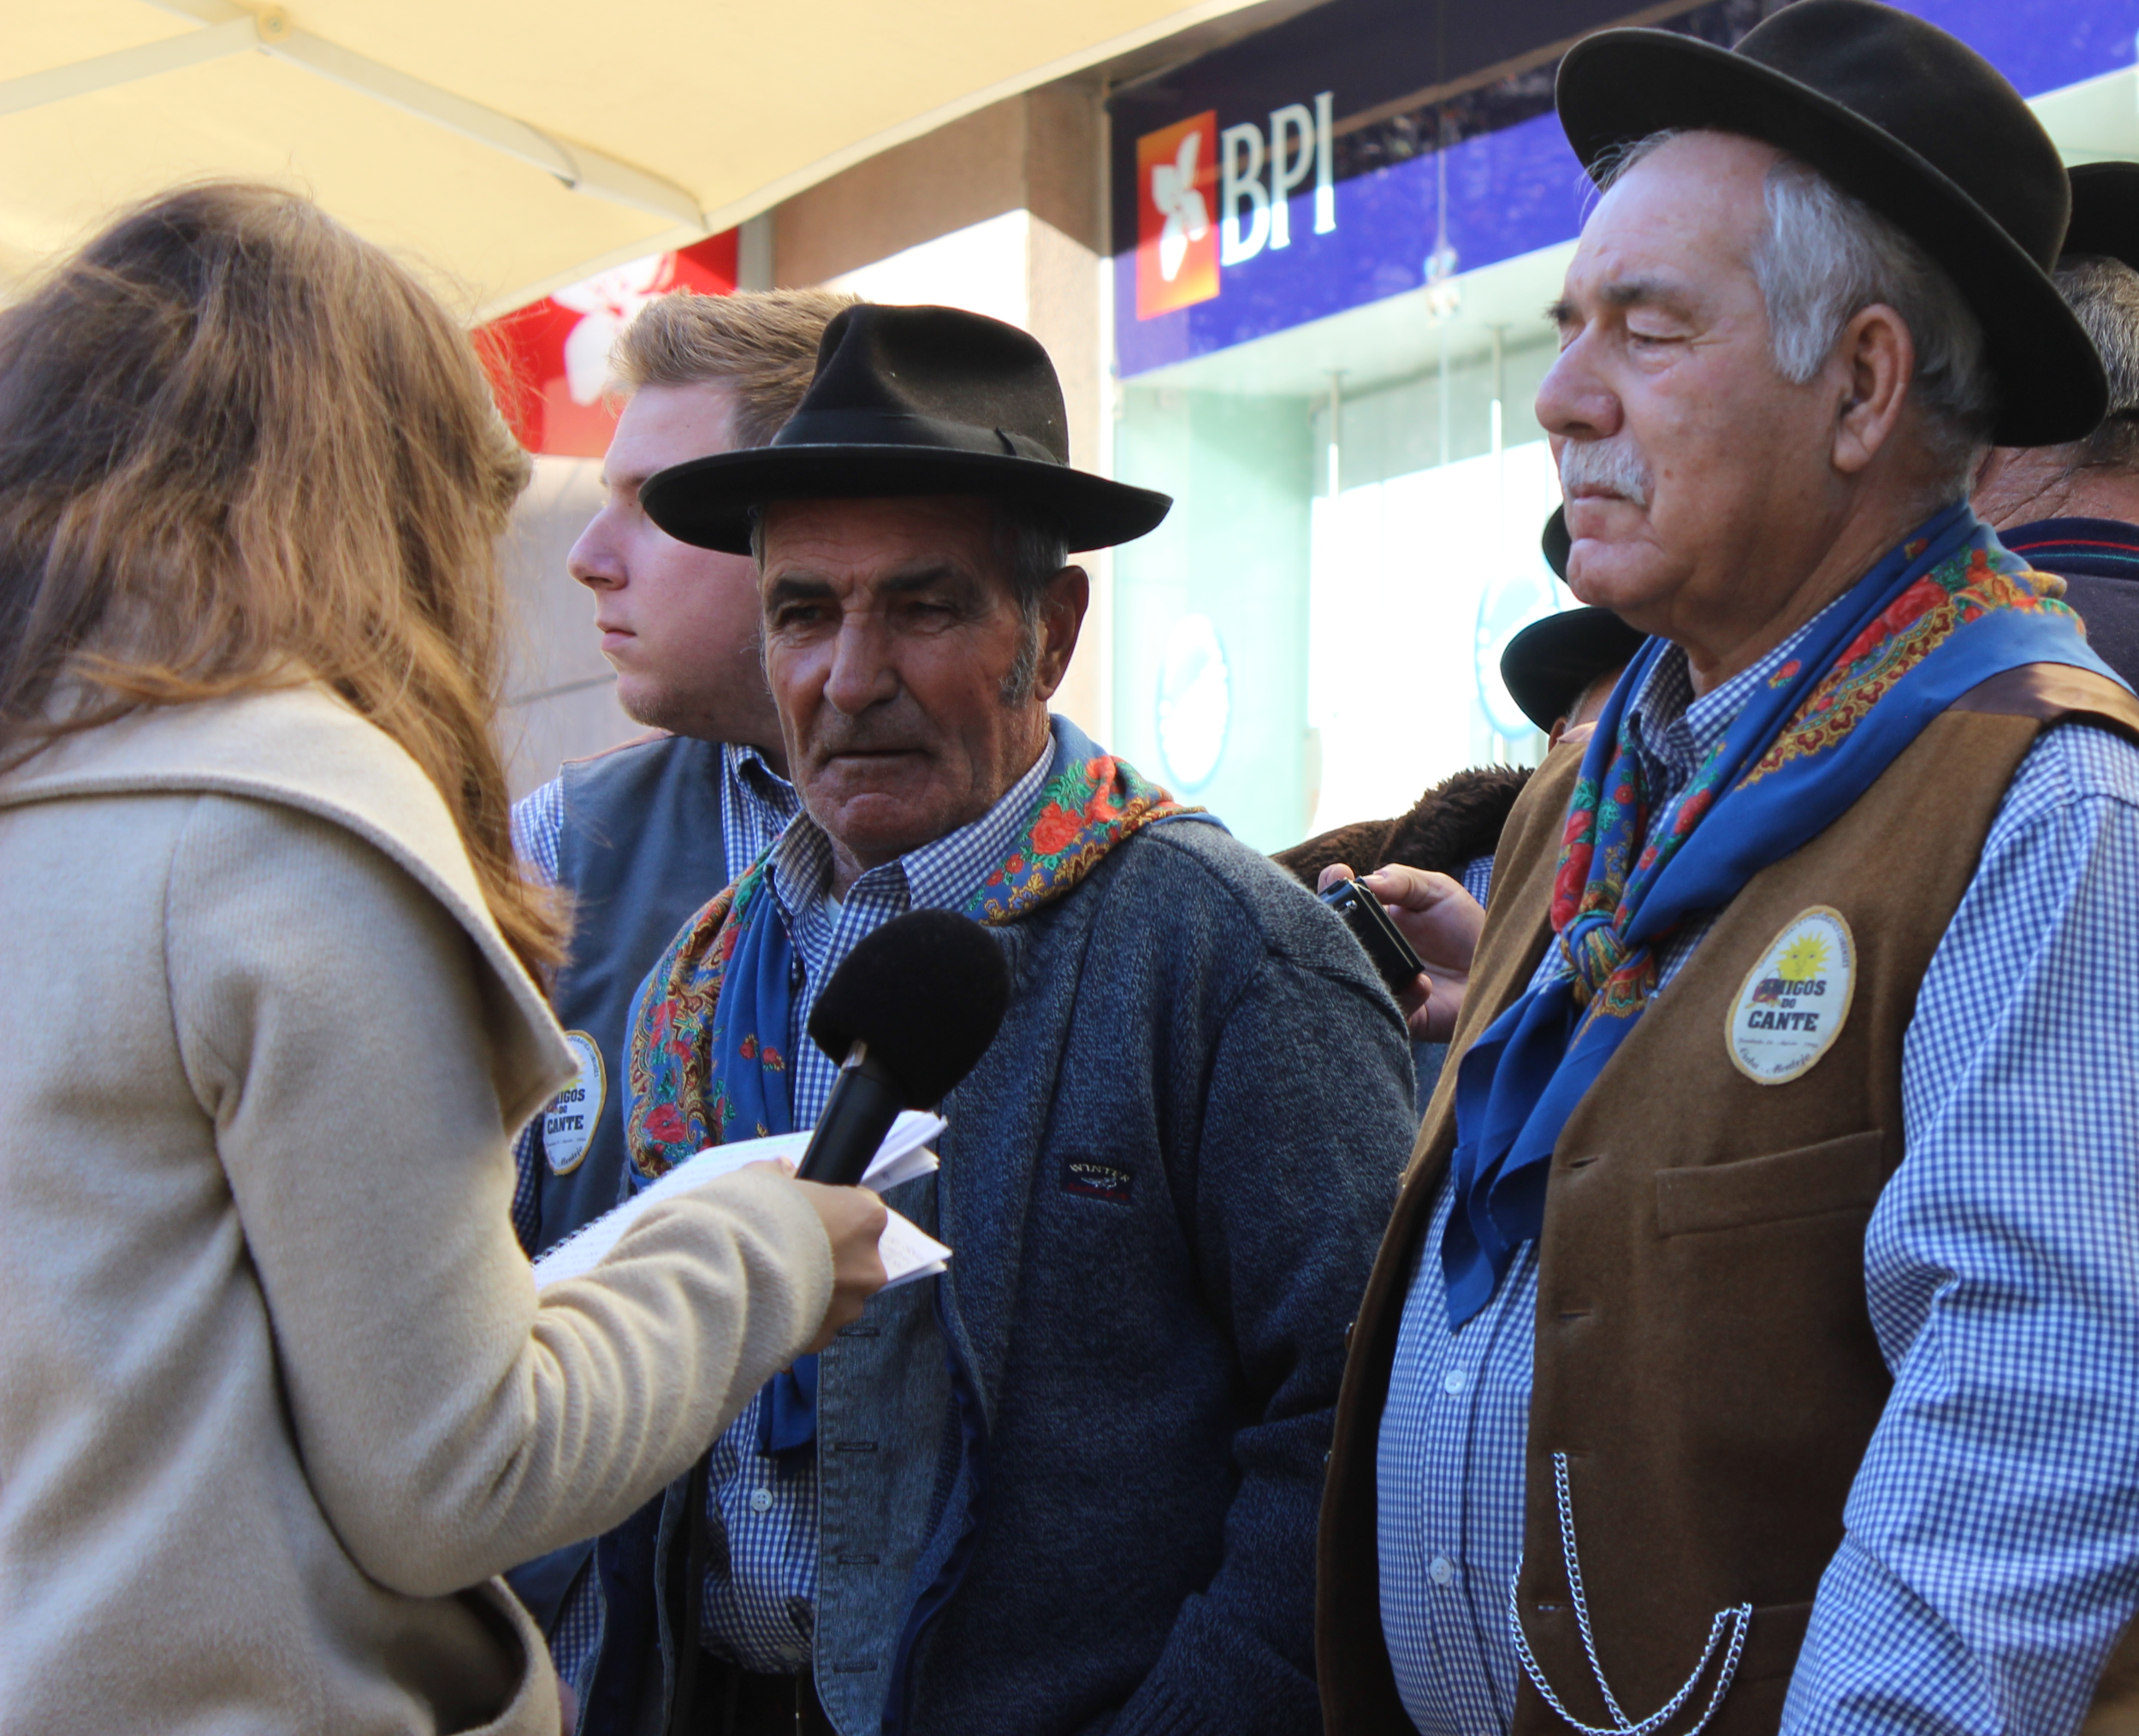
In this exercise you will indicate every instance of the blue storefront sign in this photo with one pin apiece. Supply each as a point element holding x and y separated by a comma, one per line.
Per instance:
<point>1353,154</point>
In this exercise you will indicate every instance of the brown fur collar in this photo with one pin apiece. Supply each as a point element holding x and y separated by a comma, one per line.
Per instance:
<point>1454,822</point>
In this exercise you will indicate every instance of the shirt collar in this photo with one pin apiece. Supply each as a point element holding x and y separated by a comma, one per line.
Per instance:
<point>1675,733</point>
<point>2071,537</point>
<point>748,770</point>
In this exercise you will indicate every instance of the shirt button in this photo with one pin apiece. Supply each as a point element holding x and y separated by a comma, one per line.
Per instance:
<point>1453,1382</point>
<point>760,1501</point>
<point>1441,1571</point>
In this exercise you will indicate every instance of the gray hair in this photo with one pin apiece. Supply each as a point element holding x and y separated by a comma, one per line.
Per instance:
<point>1029,551</point>
<point>1826,257</point>
<point>2105,294</point>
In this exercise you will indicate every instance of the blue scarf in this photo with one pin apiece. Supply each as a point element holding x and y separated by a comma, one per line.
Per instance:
<point>1948,609</point>
<point>751,1092</point>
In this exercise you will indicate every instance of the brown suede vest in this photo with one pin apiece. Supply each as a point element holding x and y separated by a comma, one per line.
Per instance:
<point>1704,1357</point>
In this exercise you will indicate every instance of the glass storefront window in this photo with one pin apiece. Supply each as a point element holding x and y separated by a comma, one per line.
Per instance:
<point>1356,538</point>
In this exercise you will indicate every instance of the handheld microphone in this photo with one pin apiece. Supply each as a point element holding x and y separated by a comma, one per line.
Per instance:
<point>907,1016</point>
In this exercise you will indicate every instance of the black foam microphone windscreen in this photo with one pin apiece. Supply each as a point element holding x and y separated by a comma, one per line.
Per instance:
<point>927,992</point>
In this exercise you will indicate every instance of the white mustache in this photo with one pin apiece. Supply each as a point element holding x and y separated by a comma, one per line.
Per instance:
<point>1613,465</point>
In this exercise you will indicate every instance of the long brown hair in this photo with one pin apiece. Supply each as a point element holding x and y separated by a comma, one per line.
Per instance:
<point>240,447</point>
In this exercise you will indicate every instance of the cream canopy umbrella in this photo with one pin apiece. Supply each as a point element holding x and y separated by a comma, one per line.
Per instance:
<point>511,145</point>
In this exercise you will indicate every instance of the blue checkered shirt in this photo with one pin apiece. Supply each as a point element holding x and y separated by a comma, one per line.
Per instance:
<point>756,804</point>
<point>1477,877</point>
<point>760,1613</point>
<point>1992,1549</point>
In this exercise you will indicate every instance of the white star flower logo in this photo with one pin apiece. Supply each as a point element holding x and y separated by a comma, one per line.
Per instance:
<point>605,304</point>
<point>1174,191</point>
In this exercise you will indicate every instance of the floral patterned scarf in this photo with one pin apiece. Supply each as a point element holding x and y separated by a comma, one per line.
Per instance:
<point>704,1056</point>
<point>1946,610</point>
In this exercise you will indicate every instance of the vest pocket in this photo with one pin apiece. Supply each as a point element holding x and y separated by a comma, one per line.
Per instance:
<point>1834,1175</point>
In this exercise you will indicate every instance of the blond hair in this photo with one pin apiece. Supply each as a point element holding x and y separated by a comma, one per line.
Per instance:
<point>241,448</point>
<point>761,343</point>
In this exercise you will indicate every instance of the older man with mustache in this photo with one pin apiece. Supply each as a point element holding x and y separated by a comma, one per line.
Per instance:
<point>1756,1342</point>
<point>1071,1484</point>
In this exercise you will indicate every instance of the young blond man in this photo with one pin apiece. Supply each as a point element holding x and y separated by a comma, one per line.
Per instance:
<point>641,835</point>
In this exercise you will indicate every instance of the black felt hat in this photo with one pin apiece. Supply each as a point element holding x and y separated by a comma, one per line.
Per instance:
<point>910,400</point>
<point>1549,664</point>
<point>2106,212</point>
<point>1913,123</point>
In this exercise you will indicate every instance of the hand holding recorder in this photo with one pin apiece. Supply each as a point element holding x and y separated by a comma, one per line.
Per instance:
<point>1438,923</point>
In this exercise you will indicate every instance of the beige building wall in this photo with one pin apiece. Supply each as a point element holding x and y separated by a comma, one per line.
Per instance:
<point>1001,212</point>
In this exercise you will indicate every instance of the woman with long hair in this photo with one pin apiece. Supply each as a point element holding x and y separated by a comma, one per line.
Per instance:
<point>277,1394</point>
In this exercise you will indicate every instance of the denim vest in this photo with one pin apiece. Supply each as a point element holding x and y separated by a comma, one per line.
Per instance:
<point>641,850</point>
<point>900,1440</point>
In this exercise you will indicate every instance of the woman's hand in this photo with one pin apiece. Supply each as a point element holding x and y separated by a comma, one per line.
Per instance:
<point>853,1218</point>
<point>1442,921</point>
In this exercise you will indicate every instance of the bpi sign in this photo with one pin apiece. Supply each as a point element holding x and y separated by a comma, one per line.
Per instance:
<point>1203,201</point>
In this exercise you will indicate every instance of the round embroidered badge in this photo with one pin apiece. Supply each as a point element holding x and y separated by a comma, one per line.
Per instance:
<point>1791,1009</point>
<point>568,1124</point>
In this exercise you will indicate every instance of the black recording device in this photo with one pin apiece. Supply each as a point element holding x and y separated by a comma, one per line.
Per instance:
<point>1362,913</point>
<point>907,1016</point>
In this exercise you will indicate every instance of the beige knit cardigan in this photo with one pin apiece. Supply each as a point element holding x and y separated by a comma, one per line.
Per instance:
<point>277,1396</point>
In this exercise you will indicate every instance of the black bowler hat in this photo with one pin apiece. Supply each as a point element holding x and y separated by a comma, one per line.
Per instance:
<point>1550,665</point>
<point>1916,124</point>
<point>910,400</point>
<point>2106,212</point>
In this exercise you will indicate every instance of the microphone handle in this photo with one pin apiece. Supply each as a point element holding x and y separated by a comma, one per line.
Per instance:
<point>865,1101</point>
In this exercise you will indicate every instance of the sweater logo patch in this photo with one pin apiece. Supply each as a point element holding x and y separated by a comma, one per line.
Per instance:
<point>1793,1002</point>
<point>568,1124</point>
<point>1097,1181</point>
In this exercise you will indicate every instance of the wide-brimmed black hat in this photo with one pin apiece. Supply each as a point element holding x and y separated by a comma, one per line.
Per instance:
<point>910,400</point>
<point>2106,212</point>
<point>1913,123</point>
<point>1550,665</point>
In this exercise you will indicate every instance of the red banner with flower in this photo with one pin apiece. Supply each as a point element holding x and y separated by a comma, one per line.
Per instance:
<point>550,361</point>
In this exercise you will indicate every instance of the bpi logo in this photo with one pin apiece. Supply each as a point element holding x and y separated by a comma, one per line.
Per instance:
<point>1192,181</point>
